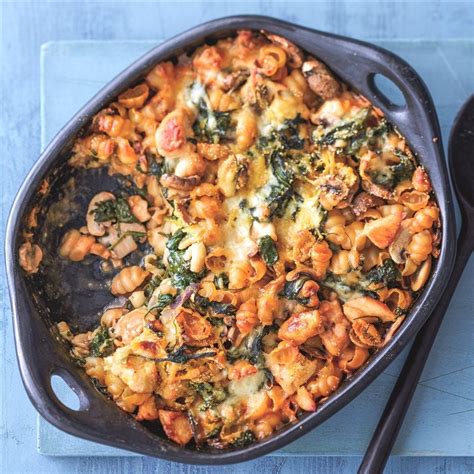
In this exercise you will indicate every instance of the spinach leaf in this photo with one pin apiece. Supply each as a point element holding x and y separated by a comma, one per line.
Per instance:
<point>162,302</point>
<point>278,200</point>
<point>221,281</point>
<point>280,194</point>
<point>367,136</point>
<point>210,126</point>
<point>180,356</point>
<point>288,136</point>
<point>151,286</point>
<point>285,138</point>
<point>251,348</point>
<point>101,344</point>
<point>116,210</point>
<point>246,438</point>
<point>391,175</point>
<point>292,288</point>
<point>277,150</point>
<point>279,164</point>
<point>210,394</point>
<point>155,166</point>
<point>203,305</point>
<point>345,130</point>
<point>178,267</point>
<point>268,250</point>
<point>387,274</point>
<point>346,291</point>
<point>173,242</point>
<point>403,170</point>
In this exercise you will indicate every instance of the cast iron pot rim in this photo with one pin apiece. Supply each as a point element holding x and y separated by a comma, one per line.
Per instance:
<point>377,363</point>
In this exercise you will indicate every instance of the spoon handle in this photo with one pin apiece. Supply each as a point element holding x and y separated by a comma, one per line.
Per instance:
<point>392,418</point>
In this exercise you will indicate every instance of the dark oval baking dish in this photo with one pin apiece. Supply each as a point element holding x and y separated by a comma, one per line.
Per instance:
<point>37,306</point>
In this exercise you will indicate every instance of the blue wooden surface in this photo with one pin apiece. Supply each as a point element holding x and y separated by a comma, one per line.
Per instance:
<point>71,72</point>
<point>24,26</point>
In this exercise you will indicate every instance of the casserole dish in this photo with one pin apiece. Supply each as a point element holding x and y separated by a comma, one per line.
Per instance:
<point>40,355</point>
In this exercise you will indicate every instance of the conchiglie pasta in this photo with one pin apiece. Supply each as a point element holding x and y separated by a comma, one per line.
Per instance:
<point>268,234</point>
<point>246,129</point>
<point>420,246</point>
<point>128,280</point>
<point>246,316</point>
<point>75,246</point>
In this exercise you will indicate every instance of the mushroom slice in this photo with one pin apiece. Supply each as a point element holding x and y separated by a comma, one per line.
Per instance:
<point>364,201</point>
<point>366,307</point>
<point>93,227</point>
<point>233,80</point>
<point>295,55</point>
<point>397,248</point>
<point>375,190</point>
<point>181,208</point>
<point>320,80</point>
<point>333,191</point>
<point>30,256</point>
<point>420,277</point>
<point>180,183</point>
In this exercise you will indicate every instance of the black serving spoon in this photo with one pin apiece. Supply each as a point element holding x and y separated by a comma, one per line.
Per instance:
<point>461,164</point>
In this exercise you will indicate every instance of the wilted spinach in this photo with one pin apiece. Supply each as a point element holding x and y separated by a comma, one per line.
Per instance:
<point>162,302</point>
<point>178,267</point>
<point>210,394</point>
<point>116,210</point>
<point>221,281</point>
<point>251,347</point>
<point>246,438</point>
<point>101,344</point>
<point>203,305</point>
<point>345,130</point>
<point>268,250</point>
<point>156,167</point>
<point>292,289</point>
<point>390,175</point>
<point>181,356</point>
<point>387,274</point>
<point>210,126</point>
<point>345,290</point>
<point>285,138</point>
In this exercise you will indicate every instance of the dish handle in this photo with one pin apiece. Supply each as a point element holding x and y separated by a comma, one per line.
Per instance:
<point>417,114</point>
<point>41,357</point>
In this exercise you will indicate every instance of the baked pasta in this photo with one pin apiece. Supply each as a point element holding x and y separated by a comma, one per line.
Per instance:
<point>284,229</point>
